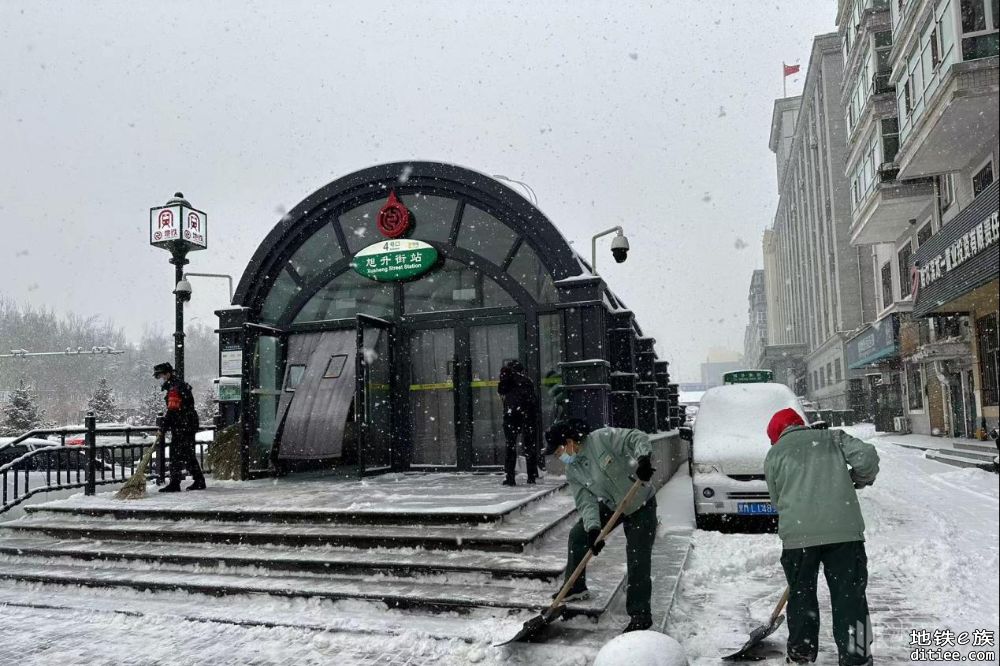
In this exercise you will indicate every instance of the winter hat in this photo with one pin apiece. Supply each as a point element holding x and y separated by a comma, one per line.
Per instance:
<point>555,436</point>
<point>781,420</point>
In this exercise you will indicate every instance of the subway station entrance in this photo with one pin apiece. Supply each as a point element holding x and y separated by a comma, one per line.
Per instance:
<point>369,329</point>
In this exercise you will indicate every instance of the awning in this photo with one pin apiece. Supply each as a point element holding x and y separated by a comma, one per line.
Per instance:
<point>875,342</point>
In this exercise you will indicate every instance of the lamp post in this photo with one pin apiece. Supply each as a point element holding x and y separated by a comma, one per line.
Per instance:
<point>179,228</point>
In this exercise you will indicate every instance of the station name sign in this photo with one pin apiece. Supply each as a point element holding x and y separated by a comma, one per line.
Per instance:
<point>395,260</point>
<point>178,226</point>
<point>982,236</point>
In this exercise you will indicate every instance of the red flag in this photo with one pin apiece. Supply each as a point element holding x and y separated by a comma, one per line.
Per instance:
<point>791,69</point>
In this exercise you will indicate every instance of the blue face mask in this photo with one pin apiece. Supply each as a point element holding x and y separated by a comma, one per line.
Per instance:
<point>567,458</point>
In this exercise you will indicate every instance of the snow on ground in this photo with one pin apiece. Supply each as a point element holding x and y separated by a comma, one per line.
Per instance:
<point>932,543</point>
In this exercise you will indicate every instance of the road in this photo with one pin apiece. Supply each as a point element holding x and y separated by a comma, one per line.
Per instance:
<point>932,543</point>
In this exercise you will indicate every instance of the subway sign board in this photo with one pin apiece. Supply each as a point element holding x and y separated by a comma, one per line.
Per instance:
<point>747,377</point>
<point>395,260</point>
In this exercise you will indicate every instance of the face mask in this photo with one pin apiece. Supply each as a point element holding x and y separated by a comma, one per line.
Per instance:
<point>567,458</point>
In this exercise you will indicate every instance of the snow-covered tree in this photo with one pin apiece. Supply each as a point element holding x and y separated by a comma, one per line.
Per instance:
<point>103,403</point>
<point>206,406</point>
<point>21,414</point>
<point>150,406</point>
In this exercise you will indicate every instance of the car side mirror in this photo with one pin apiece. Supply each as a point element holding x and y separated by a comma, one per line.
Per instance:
<point>686,433</point>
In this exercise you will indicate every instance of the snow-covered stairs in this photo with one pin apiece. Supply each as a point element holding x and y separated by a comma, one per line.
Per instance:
<point>511,558</point>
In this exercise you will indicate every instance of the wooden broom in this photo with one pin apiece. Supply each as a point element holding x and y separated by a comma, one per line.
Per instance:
<point>135,487</point>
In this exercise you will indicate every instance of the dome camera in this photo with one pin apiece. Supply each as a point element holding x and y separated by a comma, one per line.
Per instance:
<point>619,248</point>
<point>183,290</point>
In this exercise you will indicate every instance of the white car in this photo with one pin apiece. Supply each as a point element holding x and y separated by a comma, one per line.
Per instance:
<point>728,446</point>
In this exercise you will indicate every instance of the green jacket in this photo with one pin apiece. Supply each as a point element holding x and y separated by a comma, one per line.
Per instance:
<point>601,471</point>
<point>813,489</point>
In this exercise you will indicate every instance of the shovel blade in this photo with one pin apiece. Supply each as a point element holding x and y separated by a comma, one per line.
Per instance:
<point>534,626</point>
<point>757,636</point>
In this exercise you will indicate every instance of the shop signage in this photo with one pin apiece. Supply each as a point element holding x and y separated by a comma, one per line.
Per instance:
<point>394,218</point>
<point>177,225</point>
<point>961,256</point>
<point>877,342</point>
<point>395,260</point>
<point>228,389</point>
<point>231,362</point>
<point>747,377</point>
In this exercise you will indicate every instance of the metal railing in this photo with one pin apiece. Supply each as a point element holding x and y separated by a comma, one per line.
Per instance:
<point>69,467</point>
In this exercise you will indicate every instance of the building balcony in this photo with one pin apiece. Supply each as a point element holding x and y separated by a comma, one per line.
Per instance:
<point>955,119</point>
<point>886,212</point>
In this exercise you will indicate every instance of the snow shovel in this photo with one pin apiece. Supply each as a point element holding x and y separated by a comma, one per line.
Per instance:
<point>554,611</point>
<point>761,632</point>
<point>135,487</point>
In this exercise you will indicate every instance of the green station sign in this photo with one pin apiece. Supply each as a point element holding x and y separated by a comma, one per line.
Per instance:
<point>747,377</point>
<point>394,260</point>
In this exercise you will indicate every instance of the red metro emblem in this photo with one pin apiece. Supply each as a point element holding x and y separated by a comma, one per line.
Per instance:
<point>393,219</point>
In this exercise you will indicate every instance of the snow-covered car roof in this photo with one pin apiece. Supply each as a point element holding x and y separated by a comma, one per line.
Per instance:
<point>732,424</point>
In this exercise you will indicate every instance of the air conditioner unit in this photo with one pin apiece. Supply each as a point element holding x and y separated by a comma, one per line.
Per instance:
<point>901,424</point>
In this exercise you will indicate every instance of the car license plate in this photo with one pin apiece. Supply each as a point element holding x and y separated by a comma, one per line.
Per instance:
<point>755,508</point>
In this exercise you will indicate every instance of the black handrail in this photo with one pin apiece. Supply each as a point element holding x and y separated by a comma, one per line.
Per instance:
<point>101,465</point>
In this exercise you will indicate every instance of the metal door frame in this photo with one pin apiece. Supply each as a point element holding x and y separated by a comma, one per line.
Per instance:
<point>250,403</point>
<point>361,391</point>
<point>461,378</point>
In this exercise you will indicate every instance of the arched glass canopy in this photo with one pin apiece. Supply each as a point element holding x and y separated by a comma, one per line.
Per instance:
<point>497,251</point>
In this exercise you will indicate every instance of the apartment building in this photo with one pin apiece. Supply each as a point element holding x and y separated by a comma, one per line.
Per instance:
<point>755,338</point>
<point>814,284</point>
<point>919,98</point>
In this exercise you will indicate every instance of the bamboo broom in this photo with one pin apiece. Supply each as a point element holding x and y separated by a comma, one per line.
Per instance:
<point>135,487</point>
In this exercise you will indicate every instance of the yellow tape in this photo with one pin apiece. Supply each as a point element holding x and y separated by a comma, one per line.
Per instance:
<point>485,383</point>
<point>432,387</point>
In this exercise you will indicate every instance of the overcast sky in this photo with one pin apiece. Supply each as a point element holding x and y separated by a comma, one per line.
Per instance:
<point>653,115</point>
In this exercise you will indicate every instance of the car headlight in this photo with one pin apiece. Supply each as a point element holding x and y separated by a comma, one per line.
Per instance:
<point>708,493</point>
<point>702,468</point>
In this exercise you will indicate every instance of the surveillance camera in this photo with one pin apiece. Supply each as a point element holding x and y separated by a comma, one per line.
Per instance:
<point>619,248</point>
<point>183,290</point>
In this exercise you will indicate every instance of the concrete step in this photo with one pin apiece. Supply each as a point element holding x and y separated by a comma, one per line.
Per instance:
<point>970,455</point>
<point>978,447</point>
<point>396,562</point>
<point>513,535</point>
<point>947,459</point>
<point>211,507</point>
<point>433,592</point>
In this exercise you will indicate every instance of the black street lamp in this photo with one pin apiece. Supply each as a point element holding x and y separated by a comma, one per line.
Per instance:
<point>179,228</point>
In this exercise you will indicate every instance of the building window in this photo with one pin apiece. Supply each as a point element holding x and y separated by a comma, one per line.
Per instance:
<point>816,385</point>
<point>904,270</point>
<point>886,284</point>
<point>838,373</point>
<point>989,358</point>
<point>829,373</point>
<point>982,179</point>
<point>294,375</point>
<point>890,139</point>
<point>914,387</point>
<point>335,366</point>
<point>979,29</point>
<point>946,191</point>
<point>822,377</point>
<point>924,234</point>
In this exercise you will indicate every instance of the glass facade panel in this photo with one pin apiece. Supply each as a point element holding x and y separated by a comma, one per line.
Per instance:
<point>490,348</point>
<point>432,216</point>
<point>485,235</point>
<point>359,225</point>
<point>316,254</point>
<point>550,354</point>
<point>345,296</point>
<point>432,397</point>
<point>281,294</point>
<point>531,274</point>
<point>453,286</point>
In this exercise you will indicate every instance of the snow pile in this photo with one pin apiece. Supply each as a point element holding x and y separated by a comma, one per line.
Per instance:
<point>642,648</point>
<point>731,429</point>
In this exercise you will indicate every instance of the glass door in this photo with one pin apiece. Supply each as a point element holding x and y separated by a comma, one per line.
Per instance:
<point>267,345</point>
<point>432,394</point>
<point>490,348</point>
<point>373,395</point>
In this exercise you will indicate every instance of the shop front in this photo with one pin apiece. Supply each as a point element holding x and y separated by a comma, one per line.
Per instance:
<point>371,325</point>
<point>955,280</point>
<point>874,351</point>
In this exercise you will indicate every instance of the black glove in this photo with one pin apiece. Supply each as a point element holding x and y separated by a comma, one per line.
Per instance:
<point>592,541</point>
<point>644,469</point>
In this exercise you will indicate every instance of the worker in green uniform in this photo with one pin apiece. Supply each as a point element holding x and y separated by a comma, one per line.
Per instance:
<point>601,466</point>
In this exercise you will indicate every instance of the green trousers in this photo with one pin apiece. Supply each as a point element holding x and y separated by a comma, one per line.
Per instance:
<point>640,532</point>
<point>845,566</point>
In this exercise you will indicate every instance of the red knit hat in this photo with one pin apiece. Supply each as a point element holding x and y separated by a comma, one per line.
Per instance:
<point>781,420</point>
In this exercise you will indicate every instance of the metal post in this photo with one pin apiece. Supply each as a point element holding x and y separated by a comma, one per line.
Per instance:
<point>90,439</point>
<point>161,451</point>
<point>179,260</point>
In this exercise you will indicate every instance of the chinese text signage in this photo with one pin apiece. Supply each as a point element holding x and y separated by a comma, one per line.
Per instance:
<point>395,260</point>
<point>178,226</point>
